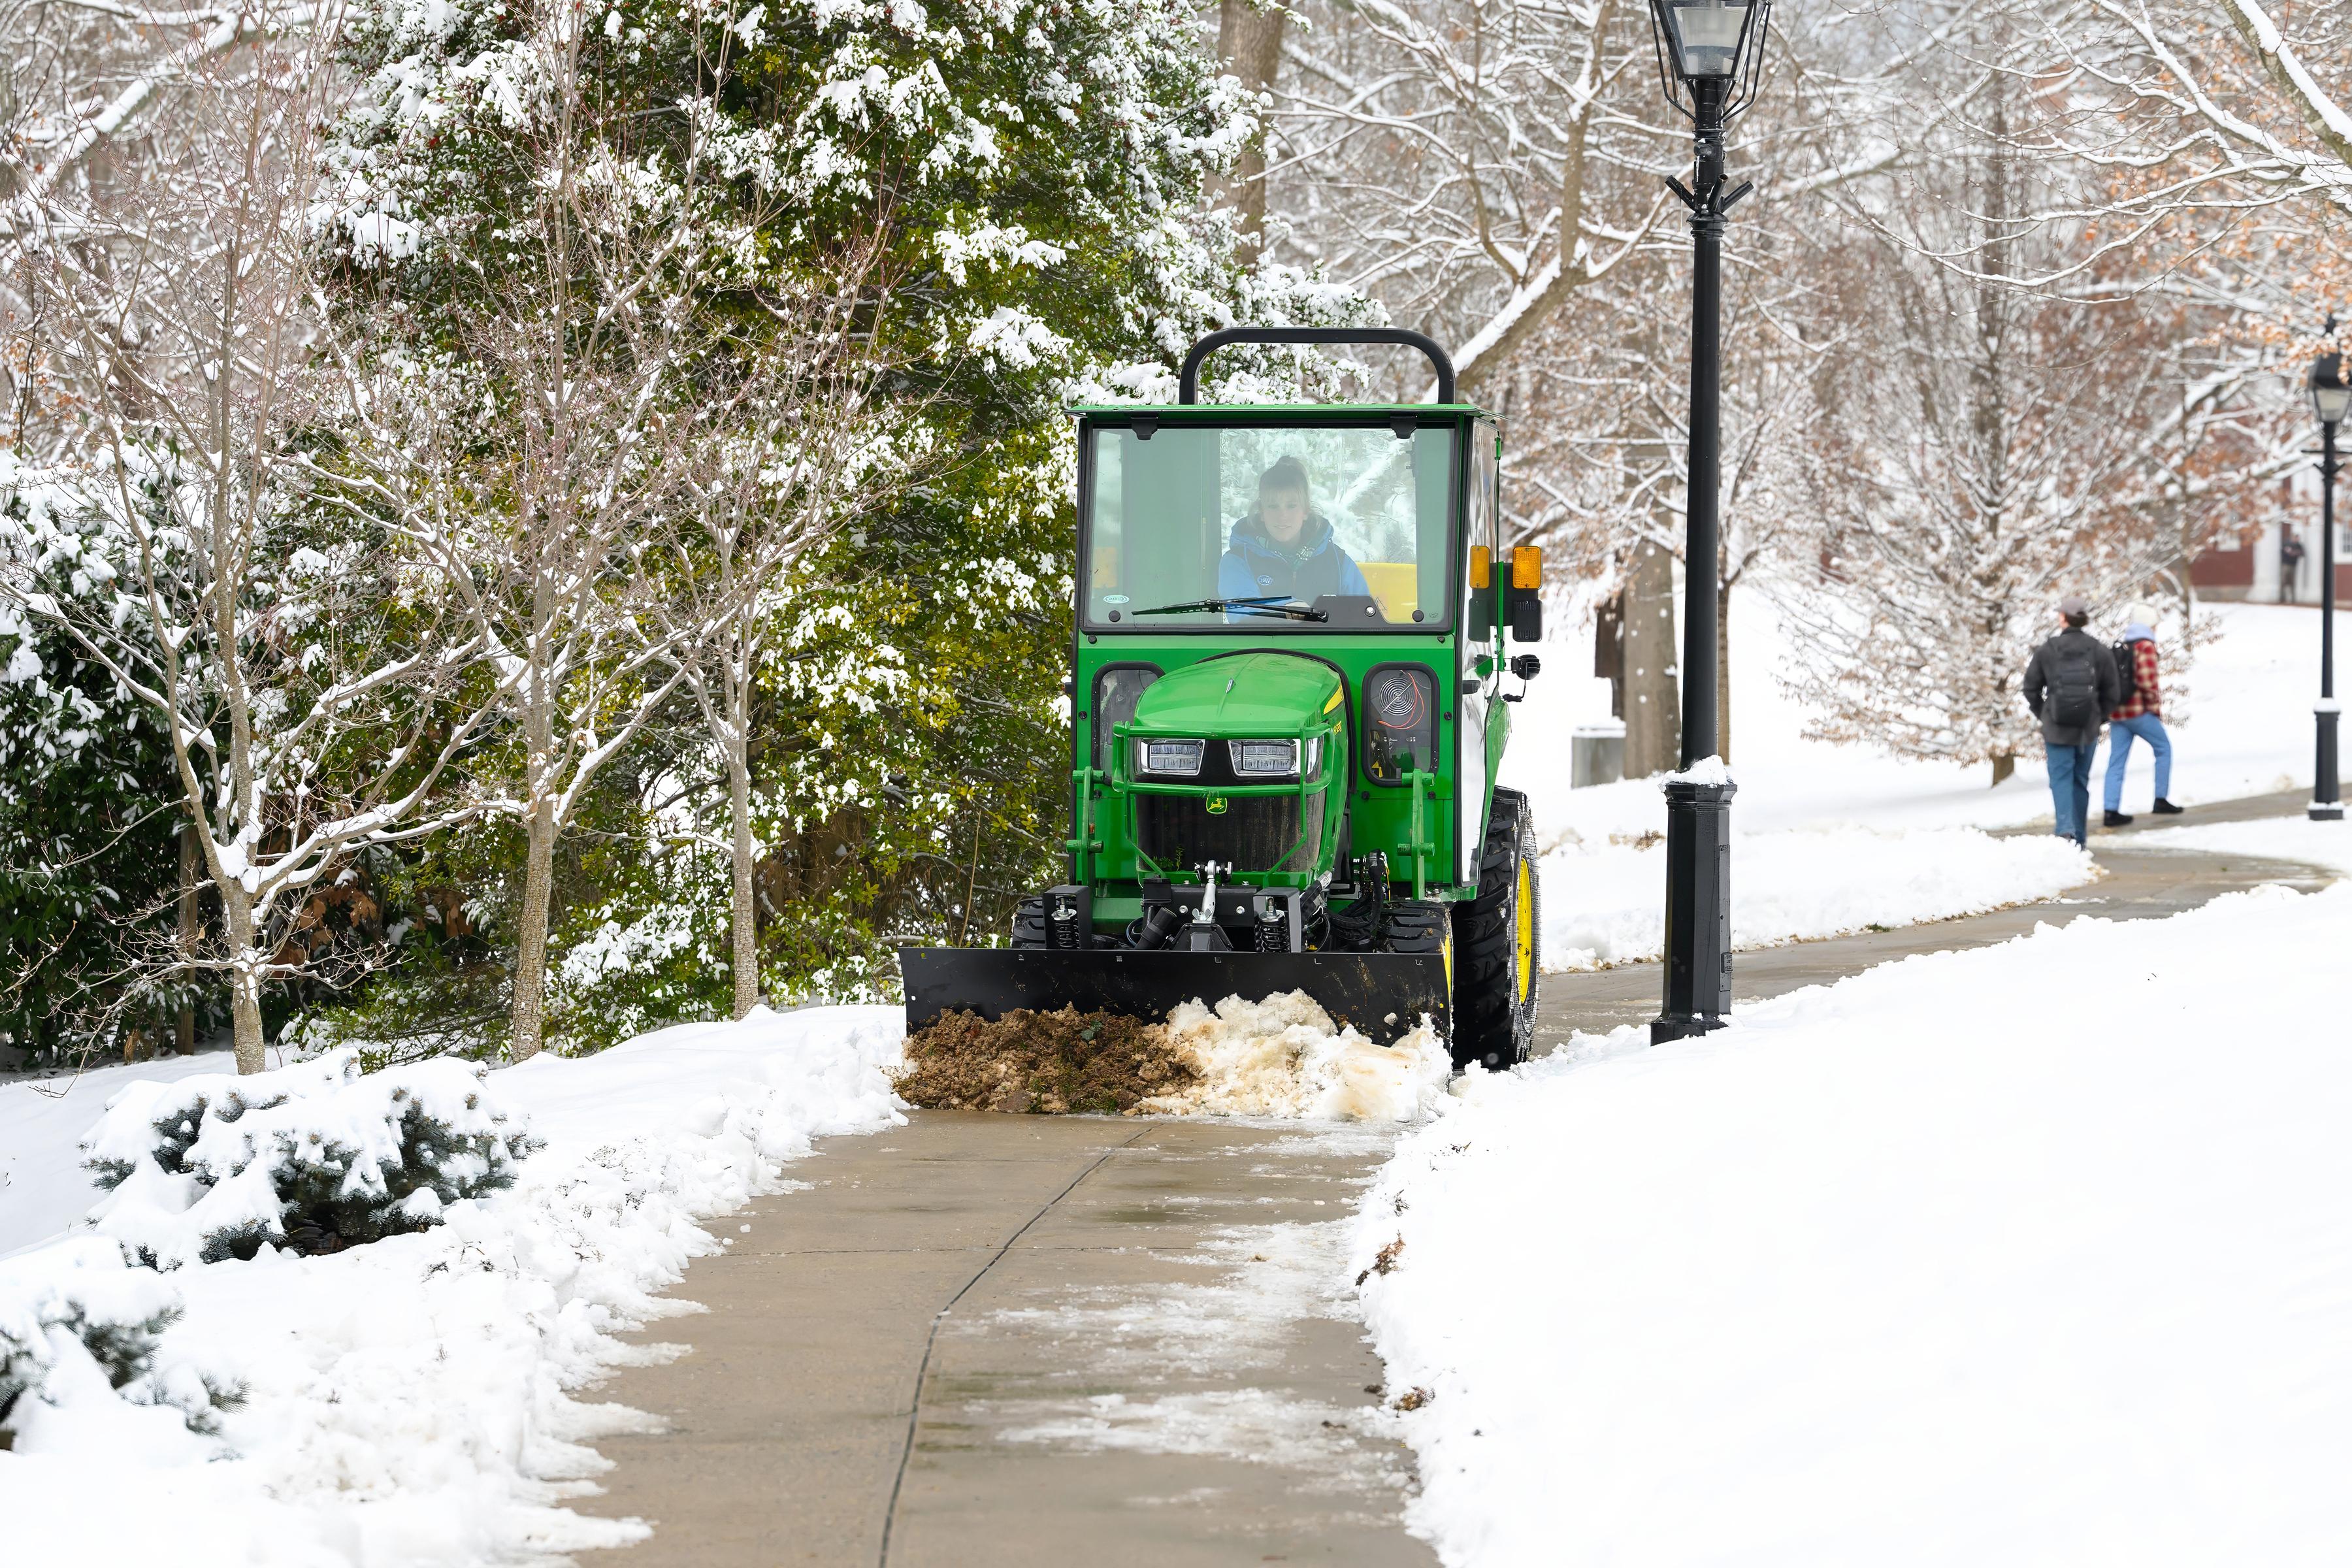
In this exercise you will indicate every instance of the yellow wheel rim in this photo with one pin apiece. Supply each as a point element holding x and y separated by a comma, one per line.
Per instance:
<point>1524,970</point>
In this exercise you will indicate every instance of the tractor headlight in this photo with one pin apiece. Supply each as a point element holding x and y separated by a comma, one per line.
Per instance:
<point>1182,758</point>
<point>1264,759</point>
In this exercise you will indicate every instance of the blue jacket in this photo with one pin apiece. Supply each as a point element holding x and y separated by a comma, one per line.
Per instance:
<point>1256,566</point>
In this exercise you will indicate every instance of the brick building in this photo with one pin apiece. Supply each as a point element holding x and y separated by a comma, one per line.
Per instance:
<point>2248,565</point>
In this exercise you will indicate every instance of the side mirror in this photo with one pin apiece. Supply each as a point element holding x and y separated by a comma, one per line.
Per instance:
<point>1524,600</point>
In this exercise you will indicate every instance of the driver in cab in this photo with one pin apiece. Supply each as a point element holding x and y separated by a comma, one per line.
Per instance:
<point>1286,547</point>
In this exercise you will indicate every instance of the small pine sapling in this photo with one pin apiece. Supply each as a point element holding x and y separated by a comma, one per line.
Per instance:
<point>318,1157</point>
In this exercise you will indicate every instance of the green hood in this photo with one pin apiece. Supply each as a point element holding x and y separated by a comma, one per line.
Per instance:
<point>1265,694</point>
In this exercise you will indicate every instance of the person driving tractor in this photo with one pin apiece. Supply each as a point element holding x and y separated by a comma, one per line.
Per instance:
<point>1286,547</point>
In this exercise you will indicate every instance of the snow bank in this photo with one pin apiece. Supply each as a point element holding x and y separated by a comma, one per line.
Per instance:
<point>412,1400</point>
<point>2032,1254</point>
<point>1604,901</point>
<point>1282,1057</point>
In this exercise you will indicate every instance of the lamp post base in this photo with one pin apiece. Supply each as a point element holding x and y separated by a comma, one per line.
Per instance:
<point>1668,1026</point>
<point>2326,796</point>
<point>1699,911</point>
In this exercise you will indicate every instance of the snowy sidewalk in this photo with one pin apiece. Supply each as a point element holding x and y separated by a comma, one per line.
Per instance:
<point>1150,1357</point>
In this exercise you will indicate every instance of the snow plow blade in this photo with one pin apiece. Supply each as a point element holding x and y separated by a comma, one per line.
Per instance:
<point>1383,995</point>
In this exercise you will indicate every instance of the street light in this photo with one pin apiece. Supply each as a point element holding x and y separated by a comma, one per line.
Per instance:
<point>1715,50</point>
<point>2331,400</point>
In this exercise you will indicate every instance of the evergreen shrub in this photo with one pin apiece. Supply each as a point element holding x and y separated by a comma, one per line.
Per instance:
<point>77,1302</point>
<point>318,1157</point>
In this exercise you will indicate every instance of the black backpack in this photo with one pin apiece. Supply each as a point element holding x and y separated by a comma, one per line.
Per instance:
<point>2126,673</point>
<point>2075,683</point>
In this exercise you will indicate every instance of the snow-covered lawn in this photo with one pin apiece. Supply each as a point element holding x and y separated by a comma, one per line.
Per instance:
<point>1605,903</point>
<point>410,1401</point>
<point>2037,1253</point>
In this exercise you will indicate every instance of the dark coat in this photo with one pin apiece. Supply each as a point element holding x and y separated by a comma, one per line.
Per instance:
<point>1254,566</point>
<point>2054,663</point>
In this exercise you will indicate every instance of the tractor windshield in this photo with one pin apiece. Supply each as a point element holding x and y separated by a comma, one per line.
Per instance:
<point>1203,524</point>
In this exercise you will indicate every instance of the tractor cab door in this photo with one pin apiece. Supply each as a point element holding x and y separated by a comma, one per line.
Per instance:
<point>1481,640</point>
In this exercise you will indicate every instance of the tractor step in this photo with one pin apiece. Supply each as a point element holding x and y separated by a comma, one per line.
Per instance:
<point>1382,995</point>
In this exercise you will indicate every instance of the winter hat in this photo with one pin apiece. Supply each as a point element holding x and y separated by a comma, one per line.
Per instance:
<point>2140,612</point>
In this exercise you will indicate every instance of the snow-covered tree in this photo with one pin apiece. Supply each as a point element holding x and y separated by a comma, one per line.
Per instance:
<point>303,688</point>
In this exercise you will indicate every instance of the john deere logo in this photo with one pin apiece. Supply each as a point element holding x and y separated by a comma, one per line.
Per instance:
<point>1216,806</point>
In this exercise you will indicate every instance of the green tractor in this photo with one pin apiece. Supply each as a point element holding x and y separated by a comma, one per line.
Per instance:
<point>1289,700</point>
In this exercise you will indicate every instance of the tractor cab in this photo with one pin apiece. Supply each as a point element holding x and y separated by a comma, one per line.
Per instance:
<point>1289,695</point>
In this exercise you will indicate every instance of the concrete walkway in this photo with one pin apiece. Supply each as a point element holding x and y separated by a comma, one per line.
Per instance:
<point>1124,1334</point>
<point>987,1341</point>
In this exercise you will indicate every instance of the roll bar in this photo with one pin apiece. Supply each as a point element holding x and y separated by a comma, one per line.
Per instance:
<point>1188,385</point>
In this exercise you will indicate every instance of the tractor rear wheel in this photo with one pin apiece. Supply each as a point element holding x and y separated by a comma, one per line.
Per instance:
<point>1029,921</point>
<point>1494,943</point>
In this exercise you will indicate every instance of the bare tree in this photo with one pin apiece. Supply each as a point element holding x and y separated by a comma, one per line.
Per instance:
<point>1980,450</point>
<point>170,537</point>
<point>805,439</point>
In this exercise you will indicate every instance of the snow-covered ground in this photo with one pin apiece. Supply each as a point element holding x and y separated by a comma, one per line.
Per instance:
<point>409,1401</point>
<point>1829,839</point>
<point>2032,1254</point>
<point>1605,903</point>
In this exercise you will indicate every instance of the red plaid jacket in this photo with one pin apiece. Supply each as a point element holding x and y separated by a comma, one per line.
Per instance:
<point>2145,698</point>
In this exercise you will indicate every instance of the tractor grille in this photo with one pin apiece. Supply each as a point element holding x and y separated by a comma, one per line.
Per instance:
<point>1254,833</point>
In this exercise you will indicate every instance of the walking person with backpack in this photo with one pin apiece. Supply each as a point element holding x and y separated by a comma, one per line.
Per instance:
<point>2139,715</point>
<point>2071,684</point>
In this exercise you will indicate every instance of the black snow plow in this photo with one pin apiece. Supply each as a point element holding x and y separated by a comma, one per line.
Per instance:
<point>1382,995</point>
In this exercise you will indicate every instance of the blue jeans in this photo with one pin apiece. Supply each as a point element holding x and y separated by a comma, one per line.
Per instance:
<point>2148,728</point>
<point>2070,788</point>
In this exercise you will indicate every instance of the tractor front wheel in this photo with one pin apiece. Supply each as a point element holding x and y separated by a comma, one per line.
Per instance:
<point>1494,943</point>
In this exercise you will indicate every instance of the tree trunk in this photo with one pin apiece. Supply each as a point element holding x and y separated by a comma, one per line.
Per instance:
<point>746,940</point>
<point>184,1030</point>
<point>1249,41</point>
<point>530,943</point>
<point>2004,764</point>
<point>243,976</point>
<point>1653,713</point>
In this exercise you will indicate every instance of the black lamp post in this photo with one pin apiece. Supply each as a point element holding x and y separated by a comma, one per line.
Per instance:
<point>1711,53</point>
<point>2331,400</point>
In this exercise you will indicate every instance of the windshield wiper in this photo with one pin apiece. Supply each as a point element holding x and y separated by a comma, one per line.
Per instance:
<point>1270,605</point>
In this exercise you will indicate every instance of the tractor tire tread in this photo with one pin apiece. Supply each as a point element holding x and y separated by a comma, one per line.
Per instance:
<point>1029,921</point>
<point>1491,1025</point>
